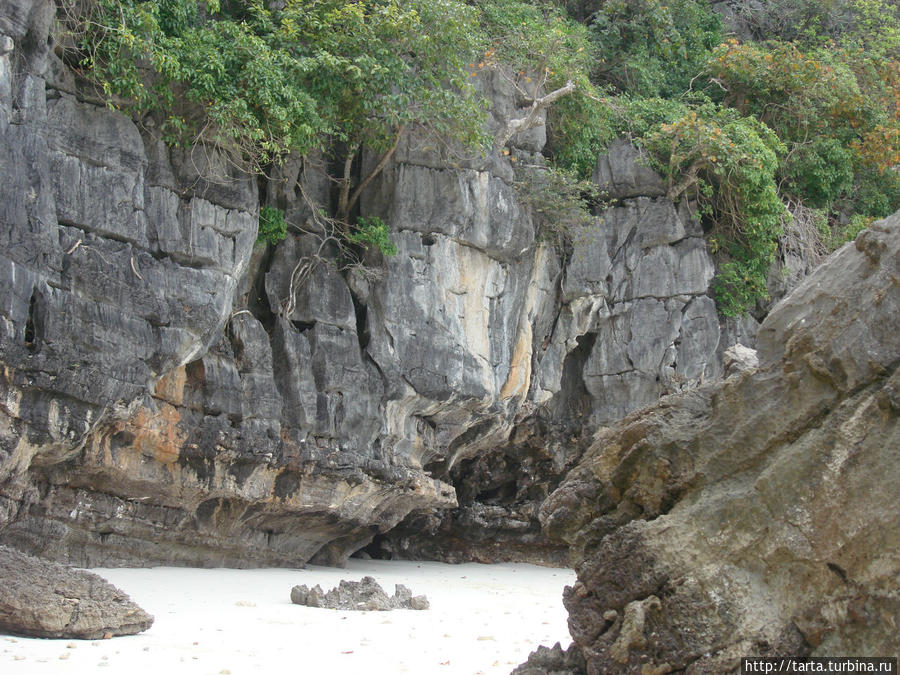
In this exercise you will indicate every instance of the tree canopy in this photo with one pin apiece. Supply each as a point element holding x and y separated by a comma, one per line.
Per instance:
<point>800,112</point>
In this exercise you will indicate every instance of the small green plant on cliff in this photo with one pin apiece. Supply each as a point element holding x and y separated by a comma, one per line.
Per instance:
<point>560,202</point>
<point>373,232</point>
<point>272,226</point>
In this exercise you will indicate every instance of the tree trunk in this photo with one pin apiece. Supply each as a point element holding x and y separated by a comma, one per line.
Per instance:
<point>347,200</point>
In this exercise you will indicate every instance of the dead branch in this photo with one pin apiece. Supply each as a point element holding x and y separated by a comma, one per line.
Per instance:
<point>688,179</point>
<point>530,119</point>
<point>134,269</point>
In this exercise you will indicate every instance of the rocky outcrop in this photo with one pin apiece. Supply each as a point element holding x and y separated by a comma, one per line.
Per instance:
<point>365,595</point>
<point>758,515</point>
<point>552,661</point>
<point>172,393</point>
<point>620,319</point>
<point>48,600</point>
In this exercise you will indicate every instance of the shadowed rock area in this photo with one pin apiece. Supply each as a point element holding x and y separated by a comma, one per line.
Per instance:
<point>48,600</point>
<point>756,516</point>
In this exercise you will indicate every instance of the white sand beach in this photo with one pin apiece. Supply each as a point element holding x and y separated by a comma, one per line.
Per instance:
<point>483,619</point>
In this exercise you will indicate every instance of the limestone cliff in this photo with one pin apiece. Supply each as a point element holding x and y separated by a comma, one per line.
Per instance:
<point>169,395</point>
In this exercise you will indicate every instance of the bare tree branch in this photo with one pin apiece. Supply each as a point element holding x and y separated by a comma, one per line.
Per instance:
<point>344,196</point>
<point>688,179</point>
<point>530,119</point>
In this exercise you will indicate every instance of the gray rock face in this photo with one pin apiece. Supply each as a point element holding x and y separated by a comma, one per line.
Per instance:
<point>365,595</point>
<point>48,600</point>
<point>142,419</point>
<point>757,515</point>
<point>625,172</point>
<point>625,319</point>
<point>168,395</point>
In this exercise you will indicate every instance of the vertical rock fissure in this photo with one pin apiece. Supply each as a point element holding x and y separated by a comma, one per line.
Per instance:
<point>33,324</point>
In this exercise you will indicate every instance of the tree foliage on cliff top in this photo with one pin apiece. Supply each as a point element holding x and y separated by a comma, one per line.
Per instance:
<point>266,78</point>
<point>261,79</point>
<point>808,113</point>
<point>820,89</point>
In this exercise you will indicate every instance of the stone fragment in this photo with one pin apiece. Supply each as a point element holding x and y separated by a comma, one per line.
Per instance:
<point>365,595</point>
<point>738,359</point>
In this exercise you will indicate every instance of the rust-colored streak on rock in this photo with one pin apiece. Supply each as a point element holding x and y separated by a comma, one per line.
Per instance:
<point>157,434</point>
<point>170,387</point>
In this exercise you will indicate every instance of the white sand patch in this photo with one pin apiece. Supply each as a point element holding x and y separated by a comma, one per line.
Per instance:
<point>483,619</point>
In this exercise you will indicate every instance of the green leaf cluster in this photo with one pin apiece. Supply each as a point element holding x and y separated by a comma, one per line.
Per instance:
<point>653,48</point>
<point>373,232</point>
<point>807,114</point>
<point>272,226</point>
<point>837,112</point>
<point>729,162</point>
<point>262,79</point>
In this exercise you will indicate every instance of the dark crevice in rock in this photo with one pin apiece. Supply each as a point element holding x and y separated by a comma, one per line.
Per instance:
<point>107,235</point>
<point>503,493</point>
<point>362,327</point>
<point>303,326</point>
<point>257,298</point>
<point>437,467</point>
<point>837,569</point>
<point>473,433</point>
<point>33,324</point>
<point>573,402</point>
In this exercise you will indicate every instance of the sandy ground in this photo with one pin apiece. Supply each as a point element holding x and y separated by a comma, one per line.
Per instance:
<point>483,619</point>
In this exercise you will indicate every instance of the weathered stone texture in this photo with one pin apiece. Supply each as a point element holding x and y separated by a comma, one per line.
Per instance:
<point>48,600</point>
<point>365,595</point>
<point>758,515</point>
<point>168,394</point>
<point>572,342</point>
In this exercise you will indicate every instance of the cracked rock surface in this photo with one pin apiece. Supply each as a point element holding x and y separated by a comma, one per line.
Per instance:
<point>48,600</point>
<point>757,515</point>
<point>168,396</point>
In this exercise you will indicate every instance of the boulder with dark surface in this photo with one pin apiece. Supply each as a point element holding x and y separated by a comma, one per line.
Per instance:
<point>758,515</point>
<point>552,661</point>
<point>48,600</point>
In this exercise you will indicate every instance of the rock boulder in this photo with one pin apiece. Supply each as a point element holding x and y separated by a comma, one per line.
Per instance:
<point>758,515</point>
<point>365,595</point>
<point>48,600</point>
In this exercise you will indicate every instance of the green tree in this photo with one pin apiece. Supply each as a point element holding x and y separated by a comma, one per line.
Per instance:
<point>262,79</point>
<point>730,162</point>
<point>654,48</point>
